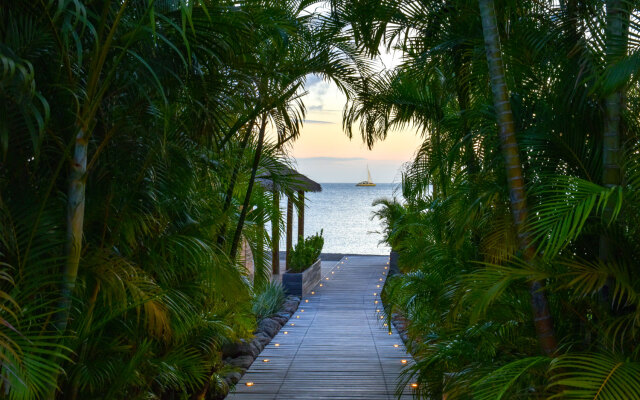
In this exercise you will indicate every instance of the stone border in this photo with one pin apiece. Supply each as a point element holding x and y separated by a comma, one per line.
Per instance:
<point>241,355</point>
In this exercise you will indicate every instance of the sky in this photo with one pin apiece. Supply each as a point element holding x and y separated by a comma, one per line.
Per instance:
<point>325,154</point>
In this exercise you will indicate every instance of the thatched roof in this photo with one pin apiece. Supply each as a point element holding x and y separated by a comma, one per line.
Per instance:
<point>287,180</point>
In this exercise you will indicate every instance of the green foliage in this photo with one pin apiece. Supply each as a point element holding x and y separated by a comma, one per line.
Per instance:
<point>306,252</point>
<point>571,74</point>
<point>267,300</point>
<point>166,99</point>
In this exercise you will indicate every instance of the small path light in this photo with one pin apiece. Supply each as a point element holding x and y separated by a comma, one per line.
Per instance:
<point>378,310</point>
<point>313,292</point>
<point>249,383</point>
<point>277,344</point>
<point>292,324</point>
<point>382,317</point>
<point>378,286</point>
<point>301,310</point>
<point>306,301</point>
<point>265,360</point>
<point>385,325</point>
<point>380,279</point>
<point>297,316</point>
<point>375,302</point>
<point>414,385</point>
<point>375,294</point>
<point>321,285</point>
<point>327,278</point>
<point>396,345</point>
<point>403,361</point>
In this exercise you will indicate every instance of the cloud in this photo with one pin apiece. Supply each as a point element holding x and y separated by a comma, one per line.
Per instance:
<point>313,121</point>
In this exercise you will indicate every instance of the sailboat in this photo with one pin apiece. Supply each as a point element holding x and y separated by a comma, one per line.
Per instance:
<point>368,182</point>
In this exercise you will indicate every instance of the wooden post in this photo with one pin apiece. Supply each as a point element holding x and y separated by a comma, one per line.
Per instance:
<point>275,235</point>
<point>289,227</point>
<point>301,214</point>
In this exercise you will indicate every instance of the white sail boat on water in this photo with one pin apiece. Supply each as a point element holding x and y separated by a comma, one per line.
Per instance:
<point>368,182</point>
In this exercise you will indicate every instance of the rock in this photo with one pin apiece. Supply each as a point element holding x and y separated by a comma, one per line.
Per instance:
<point>290,306</point>
<point>280,320</point>
<point>233,377</point>
<point>258,344</point>
<point>269,326</point>
<point>285,315</point>
<point>240,349</point>
<point>263,338</point>
<point>294,298</point>
<point>242,361</point>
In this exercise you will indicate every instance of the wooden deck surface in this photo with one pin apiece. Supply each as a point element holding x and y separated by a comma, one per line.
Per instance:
<point>337,347</point>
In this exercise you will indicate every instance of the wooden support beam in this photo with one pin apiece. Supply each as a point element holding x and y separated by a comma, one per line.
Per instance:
<point>275,235</point>
<point>301,214</point>
<point>289,227</point>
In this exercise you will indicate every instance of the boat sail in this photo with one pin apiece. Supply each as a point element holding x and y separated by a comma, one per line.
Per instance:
<point>368,182</point>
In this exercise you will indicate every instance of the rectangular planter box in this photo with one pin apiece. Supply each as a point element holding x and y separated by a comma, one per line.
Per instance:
<point>301,283</point>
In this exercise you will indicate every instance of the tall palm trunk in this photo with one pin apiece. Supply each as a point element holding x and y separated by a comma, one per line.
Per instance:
<point>542,316</point>
<point>616,43</point>
<point>247,196</point>
<point>234,178</point>
<point>75,222</point>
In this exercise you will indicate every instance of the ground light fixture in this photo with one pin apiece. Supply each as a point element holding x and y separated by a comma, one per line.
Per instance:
<point>306,300</point>
<point>313,292</point>
<point>321,285</point>
<point>375,302</point>
<point>292,324</point>
<point>277,344</point>
<point>396,345</point>
<point>377,286</point>
<point>286,333</point>
<point>403,361</point>
<point>414,385</point>
<point>297,316</point>
<point>301,310</point>
<point>249,383</point>
<point>265,360</point>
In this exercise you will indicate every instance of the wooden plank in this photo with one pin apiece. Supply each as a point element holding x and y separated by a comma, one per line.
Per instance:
<point>337,347</point>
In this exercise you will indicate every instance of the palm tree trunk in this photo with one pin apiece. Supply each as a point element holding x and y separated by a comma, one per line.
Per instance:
<point>616,43</point>
<point>232,184</point>
<point>542,317</point>
<point>247,197</point>
<point>75,222</point>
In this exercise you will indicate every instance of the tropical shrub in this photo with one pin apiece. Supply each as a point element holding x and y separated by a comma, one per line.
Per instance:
<point>305,252</point>
<point>267,300</point>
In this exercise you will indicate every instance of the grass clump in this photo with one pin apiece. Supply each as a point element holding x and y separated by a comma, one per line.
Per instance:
<point>268,299</point>
<point>306,252</point>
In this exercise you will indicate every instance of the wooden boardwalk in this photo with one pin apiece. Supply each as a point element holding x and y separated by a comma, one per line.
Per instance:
<point>335,346</point>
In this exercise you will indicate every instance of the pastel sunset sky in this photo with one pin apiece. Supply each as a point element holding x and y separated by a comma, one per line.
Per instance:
<point>324,152</point>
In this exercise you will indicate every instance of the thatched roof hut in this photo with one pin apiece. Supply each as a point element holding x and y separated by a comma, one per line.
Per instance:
<point>287,180</point>
<point>282,179</point>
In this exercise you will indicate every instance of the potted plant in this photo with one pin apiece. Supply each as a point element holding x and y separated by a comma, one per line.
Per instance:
<point>303,269</point>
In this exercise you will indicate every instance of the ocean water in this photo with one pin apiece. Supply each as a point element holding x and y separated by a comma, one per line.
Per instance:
<point>344,212</point>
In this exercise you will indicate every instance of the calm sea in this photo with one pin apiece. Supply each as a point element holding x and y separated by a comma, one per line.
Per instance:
<point>344,212</point>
